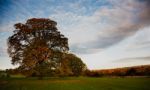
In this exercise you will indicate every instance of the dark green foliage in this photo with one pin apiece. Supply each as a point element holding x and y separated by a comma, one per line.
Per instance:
<point>131,72</point>
<point>4,74</point>
<point>72,65</point>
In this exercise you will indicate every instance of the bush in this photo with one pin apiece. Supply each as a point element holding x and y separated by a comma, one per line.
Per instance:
<point>3,74</point>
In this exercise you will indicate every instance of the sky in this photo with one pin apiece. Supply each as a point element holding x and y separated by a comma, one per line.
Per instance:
<point>103,33</point>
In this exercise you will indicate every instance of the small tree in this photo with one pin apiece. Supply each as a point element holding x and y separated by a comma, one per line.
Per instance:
<point>73,65</point>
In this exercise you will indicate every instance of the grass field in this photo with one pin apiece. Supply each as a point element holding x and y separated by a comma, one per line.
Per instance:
<point>75,83</point>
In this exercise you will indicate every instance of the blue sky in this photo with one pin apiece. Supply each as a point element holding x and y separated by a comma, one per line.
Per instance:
<point>103,33</point>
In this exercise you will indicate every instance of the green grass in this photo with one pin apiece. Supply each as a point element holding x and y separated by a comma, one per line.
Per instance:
<point>75,83</point>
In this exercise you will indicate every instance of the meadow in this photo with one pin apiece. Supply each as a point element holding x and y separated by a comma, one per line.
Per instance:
<point>76,83</point>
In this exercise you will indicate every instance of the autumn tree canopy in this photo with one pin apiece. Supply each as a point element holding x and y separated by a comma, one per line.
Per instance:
<point>38,43</point>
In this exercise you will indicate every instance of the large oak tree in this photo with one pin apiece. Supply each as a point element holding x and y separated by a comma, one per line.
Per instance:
<point>38,47</point>
<point>35,42</point>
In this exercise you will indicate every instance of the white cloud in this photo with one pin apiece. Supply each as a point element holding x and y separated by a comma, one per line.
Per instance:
<point>105,27</point>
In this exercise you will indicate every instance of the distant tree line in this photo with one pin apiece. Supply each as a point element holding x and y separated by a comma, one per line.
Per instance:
<point>127,71</point>
<point>118,72</point>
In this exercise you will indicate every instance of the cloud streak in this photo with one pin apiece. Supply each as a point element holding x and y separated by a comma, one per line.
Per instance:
<point>146,58</point>
<point>122,21</point>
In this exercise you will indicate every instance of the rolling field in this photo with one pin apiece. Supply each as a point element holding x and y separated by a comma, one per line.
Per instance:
<point>75,83</point>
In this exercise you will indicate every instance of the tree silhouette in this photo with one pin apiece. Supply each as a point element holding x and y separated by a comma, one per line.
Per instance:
<point>36,42</point>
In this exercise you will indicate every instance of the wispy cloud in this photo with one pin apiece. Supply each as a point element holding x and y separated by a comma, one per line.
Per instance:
<point>139,42</point>
<point>146,58</point>
<point>110,25</point>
